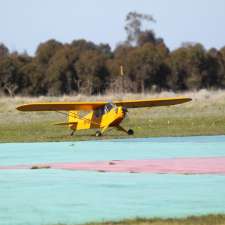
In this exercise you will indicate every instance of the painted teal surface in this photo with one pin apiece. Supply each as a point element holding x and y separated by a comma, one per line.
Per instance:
<point>52,196</point>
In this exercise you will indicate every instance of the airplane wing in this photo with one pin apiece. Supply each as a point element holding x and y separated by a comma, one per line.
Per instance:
<point>153,102</point>
<point>87,106</point>
<point>61,106</point>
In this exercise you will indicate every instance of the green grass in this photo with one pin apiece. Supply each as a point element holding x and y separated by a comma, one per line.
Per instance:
<point>196,220</point>
<point>205,115</point>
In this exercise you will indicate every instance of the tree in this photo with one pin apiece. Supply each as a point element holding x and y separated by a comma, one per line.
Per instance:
<point>144,67</point>
<point>188,67</point>
<point>12,80</point>
<point>46,51</point>
<point>4,51</point>
<point>222,52</point>
<point>35,74</point>
<point>61,76</point>
<point>215,71</point>
<point>92,72</point>
<point>134,25</point>
<point>83,45</point>
<point>118,83</point>
<point>85,67</point>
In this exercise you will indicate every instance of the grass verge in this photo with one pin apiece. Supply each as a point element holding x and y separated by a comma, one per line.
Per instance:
<point>205,115</point>
<point>192,220</point>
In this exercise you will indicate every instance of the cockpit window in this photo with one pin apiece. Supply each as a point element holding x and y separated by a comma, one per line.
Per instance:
<point>101,111</point>
<point>108,107</point>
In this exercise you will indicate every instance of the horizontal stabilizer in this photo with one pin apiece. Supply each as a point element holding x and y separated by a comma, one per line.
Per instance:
<point>65,124</point>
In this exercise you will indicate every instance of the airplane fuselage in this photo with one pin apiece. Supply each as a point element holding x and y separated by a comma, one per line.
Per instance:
<point>97,119</point>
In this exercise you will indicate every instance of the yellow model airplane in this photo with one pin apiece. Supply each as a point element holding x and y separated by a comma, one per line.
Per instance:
<point>102,115</point>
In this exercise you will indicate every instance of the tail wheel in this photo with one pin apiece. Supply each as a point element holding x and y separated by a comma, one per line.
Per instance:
<point>98,133</point>
<point>130,132</point>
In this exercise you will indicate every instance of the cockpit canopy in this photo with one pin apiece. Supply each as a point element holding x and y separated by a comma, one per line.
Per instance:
<point>107,108</point>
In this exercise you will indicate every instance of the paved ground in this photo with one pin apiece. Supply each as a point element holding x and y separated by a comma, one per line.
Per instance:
<point>51,196</point>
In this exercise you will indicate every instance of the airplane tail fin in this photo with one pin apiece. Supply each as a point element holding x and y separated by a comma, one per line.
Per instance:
<point>73,118</point>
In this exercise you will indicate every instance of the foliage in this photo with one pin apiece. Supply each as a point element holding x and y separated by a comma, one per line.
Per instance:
<point>85,67</point>
<point>134,26</point>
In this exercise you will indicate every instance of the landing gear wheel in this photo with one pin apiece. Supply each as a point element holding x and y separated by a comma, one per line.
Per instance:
<point>98,133</point>
<point>130,132</point>
<point>71,134</point>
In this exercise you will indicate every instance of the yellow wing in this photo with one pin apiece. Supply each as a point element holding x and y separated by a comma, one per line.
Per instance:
<point>153,102</point>
<point>87,106</point>
<point>61,106</point>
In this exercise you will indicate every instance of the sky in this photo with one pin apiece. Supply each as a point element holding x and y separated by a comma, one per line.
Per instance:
<point>24,24</point>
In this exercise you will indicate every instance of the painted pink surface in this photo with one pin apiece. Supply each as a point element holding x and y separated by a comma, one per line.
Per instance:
<point>214,165</point>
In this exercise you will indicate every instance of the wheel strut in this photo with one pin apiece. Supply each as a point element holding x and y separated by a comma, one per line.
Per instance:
<point>98,133</point>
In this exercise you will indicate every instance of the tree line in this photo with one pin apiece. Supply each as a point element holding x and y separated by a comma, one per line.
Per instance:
<point>141,63</point>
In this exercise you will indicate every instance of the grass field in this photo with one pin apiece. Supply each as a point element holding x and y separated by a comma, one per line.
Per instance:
<point>197,220</point>
<point>205,115</point>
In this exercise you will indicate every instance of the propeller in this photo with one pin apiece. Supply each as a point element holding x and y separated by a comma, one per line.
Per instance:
<point>125,111</point>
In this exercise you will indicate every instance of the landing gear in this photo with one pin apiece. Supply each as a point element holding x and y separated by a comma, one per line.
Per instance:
<point>72,133</point>
<point>130,132</point>
<point>98,133</point>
